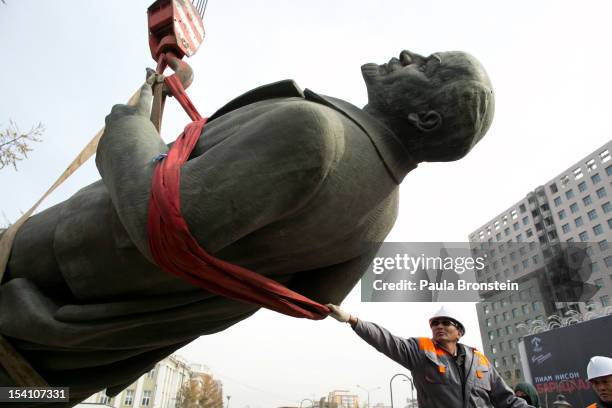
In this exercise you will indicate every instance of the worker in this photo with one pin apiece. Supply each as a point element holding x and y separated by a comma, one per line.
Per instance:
<point>527,392</point>
<point>599,373</point>
<point>446,373</point>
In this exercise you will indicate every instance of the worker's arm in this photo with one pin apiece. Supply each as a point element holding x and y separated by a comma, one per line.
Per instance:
<point>401,350</point>
<point>252,167</point>
<point>501,395</point>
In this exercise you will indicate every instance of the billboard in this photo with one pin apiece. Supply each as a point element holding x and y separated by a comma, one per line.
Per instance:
<point>558,358</point>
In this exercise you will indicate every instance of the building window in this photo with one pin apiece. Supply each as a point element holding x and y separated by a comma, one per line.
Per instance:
<point>129,397</point>
<point>525,309</point>
<point>608,261</point>
<point>574,208</point>
<point>592,215</point>
<point>554,189</point>
<point>594,267</point>
<point>603,245</point>
<point>489,322</point>
<point>590,165</point>
<point>493,349</point>
<point>578,221</point>
<point>508,330</point>
<point>506,316</point>
<point>512,344</point>
<point>582,186</point>
<point>609,170</point>
<point>498,237</point>
<point>516,226</point>
<point>561,214</point>
<point>525,220</point>
<point>557,201</point>
<point>506,231</point>
<point>583,236</point>
<point>491,335</point>
<point>564,180</point>
<point>151,373</point>
<point>146,398</point>
<point>577,173</point>
<point>598,229</point>
<point>525,263</point>
<point>569,194</point>
<point>601,193</point>
<point>595,178</point>
<point>605,300</point>
<point>587,200</point>
<point>105,399</point>
<point>535,306</point>
<point>514,359</point>
<point>565,228</point>
<point>599,283</point>
<point>535,259</point>
<point>501,347</point>
<point>515,313</point>
<point>610,223</point>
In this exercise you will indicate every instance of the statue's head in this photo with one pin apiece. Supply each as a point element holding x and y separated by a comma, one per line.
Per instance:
<point>440,105</point>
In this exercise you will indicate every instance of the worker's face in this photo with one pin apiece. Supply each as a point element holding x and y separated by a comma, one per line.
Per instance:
<point>444,330</point>
<point>603,387</point>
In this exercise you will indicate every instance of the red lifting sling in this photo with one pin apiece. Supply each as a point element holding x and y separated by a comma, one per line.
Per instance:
<point>176,251</point>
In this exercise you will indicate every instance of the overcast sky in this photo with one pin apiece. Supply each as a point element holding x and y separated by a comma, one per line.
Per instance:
<point>65,63</point>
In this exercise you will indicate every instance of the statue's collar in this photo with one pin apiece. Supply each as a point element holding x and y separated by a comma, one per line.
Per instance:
<point>393,153</point>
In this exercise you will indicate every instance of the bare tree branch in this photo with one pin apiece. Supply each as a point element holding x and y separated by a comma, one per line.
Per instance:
<point>15,145</point>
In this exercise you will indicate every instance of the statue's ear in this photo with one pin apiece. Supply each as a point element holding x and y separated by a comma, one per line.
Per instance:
<point>426,121</point>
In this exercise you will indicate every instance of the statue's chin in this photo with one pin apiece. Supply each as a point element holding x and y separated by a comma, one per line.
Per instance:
<point>370,71</point>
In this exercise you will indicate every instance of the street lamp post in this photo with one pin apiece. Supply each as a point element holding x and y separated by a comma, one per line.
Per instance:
<point>228,398</point>
<point>411,387</point>
<point>307,399</point>
<point>368,390</point>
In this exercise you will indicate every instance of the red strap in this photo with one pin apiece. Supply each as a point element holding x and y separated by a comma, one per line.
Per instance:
<point>176,251</point>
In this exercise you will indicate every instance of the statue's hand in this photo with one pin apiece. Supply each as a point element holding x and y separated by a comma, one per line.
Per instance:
<point>125,160</point>
<point>339,314</point>
<point>140,108</point>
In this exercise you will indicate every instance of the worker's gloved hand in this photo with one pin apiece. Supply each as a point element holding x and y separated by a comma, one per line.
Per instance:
<point>339,314</point>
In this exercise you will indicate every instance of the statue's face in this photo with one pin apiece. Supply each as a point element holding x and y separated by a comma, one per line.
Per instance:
<point>408,78</point>
<point>448,93</point>
<point>409,82</point>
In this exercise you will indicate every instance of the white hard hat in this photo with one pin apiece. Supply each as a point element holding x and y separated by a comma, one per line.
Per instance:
<point>599,366</point>
<point>446,312</point>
